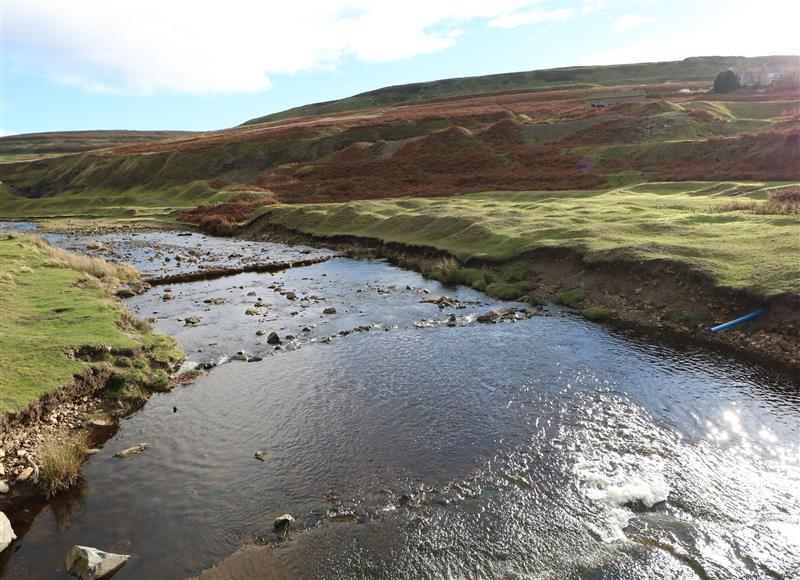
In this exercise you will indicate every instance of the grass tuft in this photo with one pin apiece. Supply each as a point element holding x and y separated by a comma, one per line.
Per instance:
<point>60,463</point>
<point>572,298</point>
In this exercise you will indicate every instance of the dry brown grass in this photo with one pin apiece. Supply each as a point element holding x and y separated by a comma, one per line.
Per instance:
<point>781,202</point>
<point>61,462</point>
<point>96,267</point>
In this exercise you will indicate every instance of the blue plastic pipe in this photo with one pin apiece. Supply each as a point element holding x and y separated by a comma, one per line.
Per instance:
<point>758,312</point>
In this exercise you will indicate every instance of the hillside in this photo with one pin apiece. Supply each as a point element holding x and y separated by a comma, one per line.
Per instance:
<point>688,70</point>
<point>31,146</point>
<point>524,140</point>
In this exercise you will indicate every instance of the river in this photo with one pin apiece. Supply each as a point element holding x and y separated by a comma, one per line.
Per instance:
<point>411,441</point>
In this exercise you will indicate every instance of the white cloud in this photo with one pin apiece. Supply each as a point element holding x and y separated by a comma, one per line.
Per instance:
<point>631,21</point>
<point>530,17</point>
<point>590,6</point>
<point>750,33</point>
<point>202,47</point>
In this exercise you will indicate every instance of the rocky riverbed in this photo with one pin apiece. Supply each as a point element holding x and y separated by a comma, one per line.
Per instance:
<point>414,429</point>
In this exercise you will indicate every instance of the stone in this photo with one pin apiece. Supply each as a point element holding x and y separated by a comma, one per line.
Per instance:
<point>255,358</point>
<point>283,521</point>
<point>3,488</point>
<point>131,450</point>
<point>273,338</point>
<point>191,321</point>
<point>261,332</point>
<point>125,293</point>
<point>7,534</point>
<point>240,356</point>
<point>261,455</point>
<point>291,296</point>
<point>90,563</point>
<point>167,296</point>
<point>329,310</point>
<point>100,422</point>
<point>25,474</point>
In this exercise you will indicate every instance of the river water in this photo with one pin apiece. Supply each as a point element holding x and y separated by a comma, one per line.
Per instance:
<point>426,444</point>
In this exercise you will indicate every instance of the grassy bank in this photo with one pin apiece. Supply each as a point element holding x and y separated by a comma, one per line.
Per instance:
<point>688,223</point>
<point>54,303</point>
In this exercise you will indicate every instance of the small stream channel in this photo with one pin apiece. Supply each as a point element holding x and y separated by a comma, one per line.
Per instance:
<point>411,441</point>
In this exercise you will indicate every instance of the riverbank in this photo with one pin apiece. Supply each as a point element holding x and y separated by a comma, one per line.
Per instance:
<point>74,358</point>
<point>494,243</point>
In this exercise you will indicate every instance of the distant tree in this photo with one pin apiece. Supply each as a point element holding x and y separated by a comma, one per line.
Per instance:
<point>726,82</point>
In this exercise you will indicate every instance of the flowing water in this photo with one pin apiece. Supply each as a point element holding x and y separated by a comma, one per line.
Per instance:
<point>410,441</point>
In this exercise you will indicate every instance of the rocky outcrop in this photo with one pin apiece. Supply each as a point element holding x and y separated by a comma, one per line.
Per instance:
<point>90,563</point>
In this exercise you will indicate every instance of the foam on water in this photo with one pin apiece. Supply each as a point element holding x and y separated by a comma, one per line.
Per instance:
<point>618,483</point>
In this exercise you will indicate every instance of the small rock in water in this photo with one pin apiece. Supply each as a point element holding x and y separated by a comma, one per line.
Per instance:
<point>7,534</point>
<point>90,563</point>
<point>3,488</point>
<point>255,358</point>
<point>261,455</point>
<point>291,296</point>
<point>273,338</point>
<point>261,332</point>
<point>329,310</point>
<point>191,321</point>
<point>284,521</point>
<point>131,450</point>
<point>25,474</point>
<point>240,356</point>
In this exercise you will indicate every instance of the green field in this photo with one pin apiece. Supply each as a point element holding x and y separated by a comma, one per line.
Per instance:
<point>51,304</point>
<point>137,202</point>
<point>681,222</point>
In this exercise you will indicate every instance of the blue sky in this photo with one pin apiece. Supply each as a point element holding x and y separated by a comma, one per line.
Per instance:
<point>122,64</point>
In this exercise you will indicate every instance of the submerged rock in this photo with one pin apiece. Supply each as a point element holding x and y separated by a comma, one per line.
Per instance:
<point>90,563</point>
<point>131,450</point>
<point>7,534</point>
<point>284,521</point>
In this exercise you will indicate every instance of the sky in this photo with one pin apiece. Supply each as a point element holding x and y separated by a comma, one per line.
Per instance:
<point>202,65</point>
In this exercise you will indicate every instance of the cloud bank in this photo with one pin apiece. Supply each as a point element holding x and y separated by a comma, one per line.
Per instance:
<point>205,47</point>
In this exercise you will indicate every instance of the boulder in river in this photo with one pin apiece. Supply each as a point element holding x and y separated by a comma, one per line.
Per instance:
<point>329,310</point>
<point>283,522</point>
<point>7,534</point>
<point>273,338</point>
<point>131,450</point>
<point>90,563</point>
<point>191,321</point>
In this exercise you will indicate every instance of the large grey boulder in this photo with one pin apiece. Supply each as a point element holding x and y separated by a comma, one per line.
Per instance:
<point>7,534</point>
<point>90,563</point>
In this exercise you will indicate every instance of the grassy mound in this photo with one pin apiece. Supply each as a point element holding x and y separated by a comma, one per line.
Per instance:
<point>681,222</point>
<point>53,303</point>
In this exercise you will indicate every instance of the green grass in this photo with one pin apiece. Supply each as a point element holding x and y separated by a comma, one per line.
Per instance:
<point>597,314</point>
<point>656,221</point>
<point>49,308</point>
<point>573,297</point>
<point>135,203</point>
